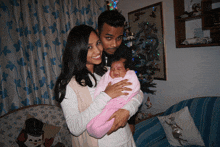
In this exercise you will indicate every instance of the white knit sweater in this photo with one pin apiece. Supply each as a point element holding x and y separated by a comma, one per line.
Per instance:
<point>77,121</point>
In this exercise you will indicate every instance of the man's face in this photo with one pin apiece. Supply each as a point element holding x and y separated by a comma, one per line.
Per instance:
<point>111,38</point>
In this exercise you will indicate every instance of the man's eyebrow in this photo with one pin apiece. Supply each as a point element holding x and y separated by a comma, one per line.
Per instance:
<point>109,34</point>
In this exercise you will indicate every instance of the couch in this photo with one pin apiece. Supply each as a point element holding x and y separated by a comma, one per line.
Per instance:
<point>205,112</point>
<point>13,123</point>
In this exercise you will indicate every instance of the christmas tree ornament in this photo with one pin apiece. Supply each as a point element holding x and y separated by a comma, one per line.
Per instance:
<point>148,103</point>
<point>112,4</point>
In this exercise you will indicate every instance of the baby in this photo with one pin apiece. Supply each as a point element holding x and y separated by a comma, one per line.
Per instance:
<point>100,125</point>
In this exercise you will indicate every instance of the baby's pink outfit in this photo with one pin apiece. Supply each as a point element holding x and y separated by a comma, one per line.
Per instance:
<point>100,125</point>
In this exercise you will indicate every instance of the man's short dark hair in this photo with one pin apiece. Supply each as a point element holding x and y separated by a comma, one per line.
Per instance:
<point>112,18</point>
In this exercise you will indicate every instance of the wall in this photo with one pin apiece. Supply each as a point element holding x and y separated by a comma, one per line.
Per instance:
<point>191,72</point>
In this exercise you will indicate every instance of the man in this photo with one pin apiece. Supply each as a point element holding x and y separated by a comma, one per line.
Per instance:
<point>111,29</point>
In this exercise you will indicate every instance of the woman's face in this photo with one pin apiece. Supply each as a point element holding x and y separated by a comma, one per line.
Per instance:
<point>94,55</point>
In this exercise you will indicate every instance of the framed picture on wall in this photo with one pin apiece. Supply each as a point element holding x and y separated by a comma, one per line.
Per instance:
<point>147,25</point>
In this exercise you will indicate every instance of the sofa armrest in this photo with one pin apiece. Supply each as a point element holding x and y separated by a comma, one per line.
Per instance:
<point>149,133</point>
<point>205,112</point>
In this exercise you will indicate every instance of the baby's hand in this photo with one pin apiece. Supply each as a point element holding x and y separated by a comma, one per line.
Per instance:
<point>117,89</point>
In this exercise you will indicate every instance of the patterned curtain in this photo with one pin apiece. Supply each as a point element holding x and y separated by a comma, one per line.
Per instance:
<point>33,35</point>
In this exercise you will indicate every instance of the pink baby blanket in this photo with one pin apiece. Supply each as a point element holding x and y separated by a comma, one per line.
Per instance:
<point>99,125</point>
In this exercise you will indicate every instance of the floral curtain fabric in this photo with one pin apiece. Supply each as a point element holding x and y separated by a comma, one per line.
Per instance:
<point>33,35</point>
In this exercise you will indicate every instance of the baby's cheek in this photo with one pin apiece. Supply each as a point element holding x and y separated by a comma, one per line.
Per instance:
<point>123,73</point>
<point>111,74</point>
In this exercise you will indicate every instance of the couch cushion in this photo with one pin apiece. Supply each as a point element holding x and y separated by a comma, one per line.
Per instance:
<point>13,123</point>
<point>180,128</point>
<point>36,132</point>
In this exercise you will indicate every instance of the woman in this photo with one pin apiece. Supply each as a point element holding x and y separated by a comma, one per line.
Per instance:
<point>74,89</point>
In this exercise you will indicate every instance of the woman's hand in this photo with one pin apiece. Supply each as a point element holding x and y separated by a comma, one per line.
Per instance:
<point>117,89</point>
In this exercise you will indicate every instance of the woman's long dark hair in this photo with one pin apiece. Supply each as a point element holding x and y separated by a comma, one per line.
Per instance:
<point>74,61</point>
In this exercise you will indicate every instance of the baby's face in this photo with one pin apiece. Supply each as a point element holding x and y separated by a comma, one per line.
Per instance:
<point>118,69</point>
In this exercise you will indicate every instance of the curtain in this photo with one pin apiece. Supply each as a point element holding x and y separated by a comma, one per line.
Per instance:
<point>33,36</point>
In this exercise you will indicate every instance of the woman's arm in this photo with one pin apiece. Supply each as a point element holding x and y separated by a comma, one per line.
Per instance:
<point>133,105</point>
<point>75,120</point>
<point>135,102</point>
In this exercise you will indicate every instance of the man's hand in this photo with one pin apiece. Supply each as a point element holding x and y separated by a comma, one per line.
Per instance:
<point>121,117</point>
<point>132,127</point>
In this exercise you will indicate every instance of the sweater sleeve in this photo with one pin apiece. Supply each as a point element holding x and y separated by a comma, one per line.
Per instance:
<point>103,83</point>
<point>135,102</point>
<point>133,105</point>
<point>75,120</point>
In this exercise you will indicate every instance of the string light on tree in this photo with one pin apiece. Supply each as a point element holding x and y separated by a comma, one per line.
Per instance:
<point>113,4</point>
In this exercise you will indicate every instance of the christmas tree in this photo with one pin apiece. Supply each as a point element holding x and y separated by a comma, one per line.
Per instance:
<point>144,46</point>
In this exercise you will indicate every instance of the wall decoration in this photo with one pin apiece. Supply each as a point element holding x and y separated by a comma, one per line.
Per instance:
<point>148,43</point>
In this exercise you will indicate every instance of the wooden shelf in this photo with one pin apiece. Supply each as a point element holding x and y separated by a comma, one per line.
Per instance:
<point>198,45</point>
<point>207,23</point>
<point>190,18</point>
